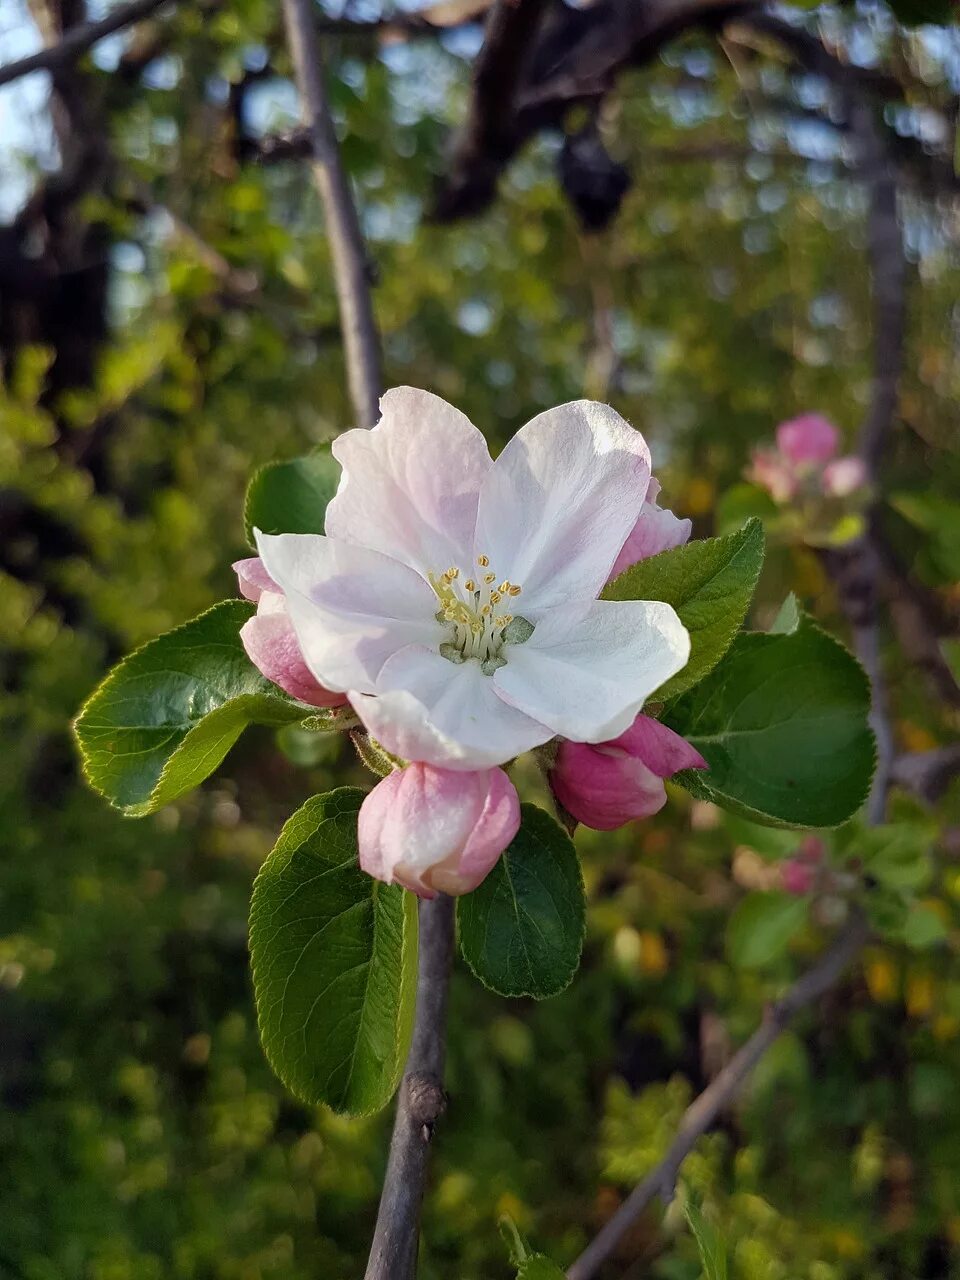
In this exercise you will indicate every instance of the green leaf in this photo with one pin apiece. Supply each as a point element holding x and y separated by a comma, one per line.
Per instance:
<point>521,930</point>
<point>539,1267</point>
<point>166,716</point>
<point>782,723</point>
<point>923,927</point>
<point>334,962</point>
<point>710,1244</point>
<point>743,502</point>
<point>897,855</point>
<point>291,497</point>
<point>761,926</point>
<point>710,584</point>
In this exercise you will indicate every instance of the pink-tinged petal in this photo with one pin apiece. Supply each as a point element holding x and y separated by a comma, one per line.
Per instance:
<point>797,877</point>
<point>658,529</point>
<point>272,646</point>
<point>445,714</point>
<point>771,471</point>
<point>810,439</point>
<point>253,579</point>
<point>435,831</point>
<point>352,608</point>
<point>602,789</point>
<point>410,485</point>
<point>589,684</point>
<point>661,750</point>
<point>560,500</point>
<point>844,476</point>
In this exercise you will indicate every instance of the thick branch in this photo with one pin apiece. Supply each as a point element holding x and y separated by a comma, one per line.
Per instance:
<point>421,1101</point>
<point>350,267</point>
<point>79,39</point>
<point>718,1095</point>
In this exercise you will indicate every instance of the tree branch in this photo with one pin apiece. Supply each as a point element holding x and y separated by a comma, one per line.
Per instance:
<point>79,39</point>
<point>718,1095</point>
<point>350,267</point>
<point>420,1104</point>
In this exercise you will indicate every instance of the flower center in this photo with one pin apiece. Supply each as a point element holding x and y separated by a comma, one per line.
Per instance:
<point>477,612</point>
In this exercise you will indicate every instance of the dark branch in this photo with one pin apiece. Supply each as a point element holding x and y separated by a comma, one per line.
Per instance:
<point>79,39</point>
<point>350,267</point>
<point>421,1102</point>
<point>716,1098</point>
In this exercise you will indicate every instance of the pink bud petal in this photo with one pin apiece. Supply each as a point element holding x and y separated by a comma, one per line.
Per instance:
<point>844,476</point>
<point>272,646</point>
<point>661,750</point>
<point>607,785</point>
<point>796,877</point>
<point>811,850</point>
<point>436,830</point>
<point>253,578</point>
<point>656,530</point>
<point>774,473</point>
<point>811,438</point>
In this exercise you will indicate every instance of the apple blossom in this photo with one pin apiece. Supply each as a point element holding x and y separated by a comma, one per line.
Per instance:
<point>453,599</point>
<point>271,642</point>
<point>605,785</point>
<point>436,830</point>
<point>844,476</point>
<point>810,439</point>
<point>805,462</point>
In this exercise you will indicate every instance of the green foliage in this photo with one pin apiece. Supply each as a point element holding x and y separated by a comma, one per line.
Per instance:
<point>164,719</point>
<point>291,497</point>
<point>334,962</point>
<point>538,1267</point>
<point>782,723</point>
<point>761,927</point>
<point>710,1243</point>
<point>710,584</point>
<point>522,930</point>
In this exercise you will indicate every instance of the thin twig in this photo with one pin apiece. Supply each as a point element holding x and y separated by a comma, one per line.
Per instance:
<point>421,1102</point>
<point>718,1095</point>
<point>79,39</point>
<point>351,270</point>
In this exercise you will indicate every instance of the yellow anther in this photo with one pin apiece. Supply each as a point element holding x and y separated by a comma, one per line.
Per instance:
<point>504,586</point>
<point>483,561</point>
<point>489,577</point>
<point>514,589</point>
<point>452,573</point>
<point>485,611</point>
<point>495,597</point>
<point>504,620</point>
<point>469,585</point>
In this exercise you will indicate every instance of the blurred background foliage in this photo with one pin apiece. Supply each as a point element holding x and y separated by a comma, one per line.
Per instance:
<point>141,1133</point>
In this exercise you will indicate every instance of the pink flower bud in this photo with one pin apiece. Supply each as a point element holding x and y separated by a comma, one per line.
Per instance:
<point>844,476</point>
<point>809,439</point>
<point>797,877</point>
<point>811,850</point>
<point>437,830</point>
<point>772,472</point>
<point>605,785</point>
<point>656,530</point>
<point>271,642</point>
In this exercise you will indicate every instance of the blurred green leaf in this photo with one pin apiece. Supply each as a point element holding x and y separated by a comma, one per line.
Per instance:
<point>923,927</point>
<point>761,926</point>
<point>710,1244</point>
<point>897,855</point>
<point>333,953</point>
<point>291,497</point>
<point>522,929</point>
<point>710,583</point>
<point>166,716</point>
<point>782,723</point>
<point>539,1267</point>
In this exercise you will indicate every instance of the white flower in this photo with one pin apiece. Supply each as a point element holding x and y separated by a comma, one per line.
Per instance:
<point>454,599</point>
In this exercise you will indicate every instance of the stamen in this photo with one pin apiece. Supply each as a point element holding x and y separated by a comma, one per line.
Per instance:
<point>504,620</point>
<point>495,597</point>
<point>489,577</point>
<point>483,561</point>
<point>452,574</point>
<point>504,586</point>
<point>514,589</point>
<point>469,585</point>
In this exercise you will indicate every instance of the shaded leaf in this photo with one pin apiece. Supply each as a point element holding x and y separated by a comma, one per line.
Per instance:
<point>334,962</point>
<point>761,926</point>
<point>291,497</point>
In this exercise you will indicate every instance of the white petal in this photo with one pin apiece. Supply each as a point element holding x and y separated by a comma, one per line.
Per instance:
<point>560,500</point>
<point>352,608</point>
<point>410,485</point>
<point>589,684</point>
<point>442,713</point>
